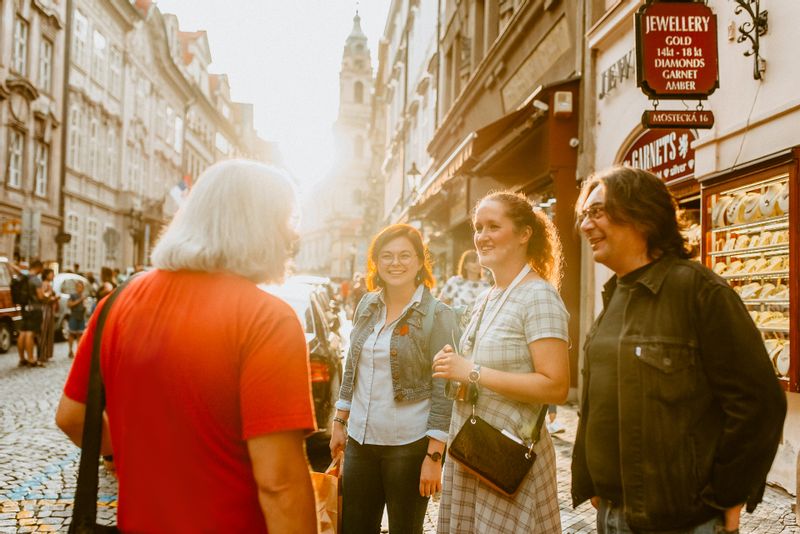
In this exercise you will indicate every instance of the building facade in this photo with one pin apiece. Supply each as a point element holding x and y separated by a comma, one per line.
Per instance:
<point>144,116</point>
<point>751,152</point>
<point>334,240</point>
<point>490,102</point>
<point>32,39</point>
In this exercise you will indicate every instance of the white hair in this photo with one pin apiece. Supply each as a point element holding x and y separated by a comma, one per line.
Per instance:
<point>236,219</point>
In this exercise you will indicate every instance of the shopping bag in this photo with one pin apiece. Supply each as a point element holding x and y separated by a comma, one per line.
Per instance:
<point>327,491</point>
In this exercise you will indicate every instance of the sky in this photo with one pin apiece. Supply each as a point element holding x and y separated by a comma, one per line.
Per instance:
<point>284,57</point>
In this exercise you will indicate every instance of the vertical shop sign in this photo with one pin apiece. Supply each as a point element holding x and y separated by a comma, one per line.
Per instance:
<point>676,50</point>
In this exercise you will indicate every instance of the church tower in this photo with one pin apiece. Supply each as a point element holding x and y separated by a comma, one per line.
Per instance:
<point>355,88</point>
<point>333,244</point>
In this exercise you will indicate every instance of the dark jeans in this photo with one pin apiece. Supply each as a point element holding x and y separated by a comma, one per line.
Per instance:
<point>378,475</point>
<point>611,520</point>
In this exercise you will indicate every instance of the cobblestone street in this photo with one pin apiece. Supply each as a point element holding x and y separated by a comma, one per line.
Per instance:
<point>38,465</point>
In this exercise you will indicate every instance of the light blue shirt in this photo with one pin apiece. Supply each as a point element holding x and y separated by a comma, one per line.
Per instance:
<point>376,418</point>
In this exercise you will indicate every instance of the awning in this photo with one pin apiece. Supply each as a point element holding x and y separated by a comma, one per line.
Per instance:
<point>472,148</point>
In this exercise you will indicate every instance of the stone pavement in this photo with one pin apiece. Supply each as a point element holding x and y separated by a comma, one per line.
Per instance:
<point>38,464</point>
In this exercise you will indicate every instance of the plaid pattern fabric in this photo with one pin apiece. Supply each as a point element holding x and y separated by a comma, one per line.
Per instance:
<point>533,311</point>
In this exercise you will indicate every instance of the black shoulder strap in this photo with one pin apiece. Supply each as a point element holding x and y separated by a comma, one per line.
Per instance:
<point>84,512</point>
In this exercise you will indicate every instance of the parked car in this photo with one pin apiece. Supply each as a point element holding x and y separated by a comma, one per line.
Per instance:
<point>10,314</point>
<point>309,301</point>
<point>64,285</point>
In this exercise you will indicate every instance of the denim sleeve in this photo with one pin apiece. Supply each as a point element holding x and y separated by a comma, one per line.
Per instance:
<point>445,329</point>
<point>346,389</point>
<point>744,383</point>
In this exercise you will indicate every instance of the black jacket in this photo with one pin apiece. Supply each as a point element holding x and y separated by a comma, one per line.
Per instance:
<point>700,408</point>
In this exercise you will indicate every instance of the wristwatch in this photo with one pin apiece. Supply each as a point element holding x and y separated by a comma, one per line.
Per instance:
<point>475,374</point>
<point>435,456</point>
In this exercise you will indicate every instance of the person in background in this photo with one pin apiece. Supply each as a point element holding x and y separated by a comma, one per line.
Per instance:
<point>514,360</point>
<point>108,282</point>
<point>463,289</point>
<point>93,285</point>
<point>49,301</point>
<point>553,426</point>
<point>31,322</point>
<point>357,290</point>
<point>392,417</point>
<point>77,315</point>
<point>681,411</point>
<point>208,414</point>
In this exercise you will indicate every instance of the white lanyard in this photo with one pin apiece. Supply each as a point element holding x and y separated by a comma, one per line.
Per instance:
<point>475,325</point>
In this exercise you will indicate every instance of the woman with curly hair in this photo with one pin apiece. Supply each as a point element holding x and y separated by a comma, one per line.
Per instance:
<point>513,359</point>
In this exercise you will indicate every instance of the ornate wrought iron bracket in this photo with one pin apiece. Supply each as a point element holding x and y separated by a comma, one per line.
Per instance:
<point>751,30</point>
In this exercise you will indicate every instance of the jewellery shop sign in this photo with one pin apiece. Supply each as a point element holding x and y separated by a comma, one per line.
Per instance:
<point>677,57</point>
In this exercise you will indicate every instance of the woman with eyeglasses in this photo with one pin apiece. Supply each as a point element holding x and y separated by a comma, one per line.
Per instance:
<point>392,417</point>
<point>513,361</point>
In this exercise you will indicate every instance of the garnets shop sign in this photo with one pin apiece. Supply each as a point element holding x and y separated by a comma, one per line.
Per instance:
<point>676,50</point>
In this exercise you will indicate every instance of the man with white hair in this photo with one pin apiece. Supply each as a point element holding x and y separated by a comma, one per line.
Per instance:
<point>206,375</point>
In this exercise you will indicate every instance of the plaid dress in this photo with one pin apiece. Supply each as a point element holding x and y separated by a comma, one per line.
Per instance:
<point>533,310</point>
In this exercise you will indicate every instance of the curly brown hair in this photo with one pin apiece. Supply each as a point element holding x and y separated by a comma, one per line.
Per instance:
<point>390,233</point>
<point>544,247</point>
<point>640,198</point>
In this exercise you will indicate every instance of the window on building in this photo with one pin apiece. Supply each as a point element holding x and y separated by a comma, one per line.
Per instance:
<point>42,162</point>
<point>45,65</point>
<point>19,60</point>
<point>73,227</point>
<point>358,92</point>
<point>91,245</point>
<point>16,150</point>
<point>73,141</point>
<point>112,156</point>
<point>93,149</point>
<point>80,28</point>
<point>178,134</point>
<point>160,117</point>
<point>99,57</point>
<point>115,73</point>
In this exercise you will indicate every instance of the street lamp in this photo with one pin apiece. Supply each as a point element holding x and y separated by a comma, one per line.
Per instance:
<point>415,177</point>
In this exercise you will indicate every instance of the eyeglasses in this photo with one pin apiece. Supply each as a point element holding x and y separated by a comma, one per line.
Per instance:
<point>404,258</point>
<point>593,212</point>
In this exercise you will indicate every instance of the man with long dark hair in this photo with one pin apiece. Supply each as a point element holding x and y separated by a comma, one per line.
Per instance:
<point>681,408</point>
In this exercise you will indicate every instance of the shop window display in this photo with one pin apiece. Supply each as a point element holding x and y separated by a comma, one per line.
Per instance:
<point>748,245</point>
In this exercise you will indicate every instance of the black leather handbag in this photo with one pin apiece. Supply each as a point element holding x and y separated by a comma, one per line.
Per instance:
<point>495,458</point>
<point>84,512</point>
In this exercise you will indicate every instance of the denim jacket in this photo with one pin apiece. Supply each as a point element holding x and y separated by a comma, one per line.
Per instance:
<point>410,356</point>
<point>700,409</point>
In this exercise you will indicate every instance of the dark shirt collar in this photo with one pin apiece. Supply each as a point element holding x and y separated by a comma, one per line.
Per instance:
<point>652,278</point>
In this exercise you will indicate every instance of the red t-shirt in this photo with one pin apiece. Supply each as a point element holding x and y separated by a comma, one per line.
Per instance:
<point>194,364</point>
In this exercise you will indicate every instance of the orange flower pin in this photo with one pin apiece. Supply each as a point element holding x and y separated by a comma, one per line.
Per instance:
<point>403,330</point>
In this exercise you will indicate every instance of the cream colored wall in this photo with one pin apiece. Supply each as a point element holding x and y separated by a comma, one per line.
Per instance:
<point>775,100</point>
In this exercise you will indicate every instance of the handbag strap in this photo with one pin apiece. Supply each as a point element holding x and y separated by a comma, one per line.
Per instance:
<point>84,513</point>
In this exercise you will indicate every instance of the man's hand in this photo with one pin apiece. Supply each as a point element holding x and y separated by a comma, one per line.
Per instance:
<point>732,516</point>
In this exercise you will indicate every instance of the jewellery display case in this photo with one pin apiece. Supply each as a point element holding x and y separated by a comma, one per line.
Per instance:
<point>750,230</point>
